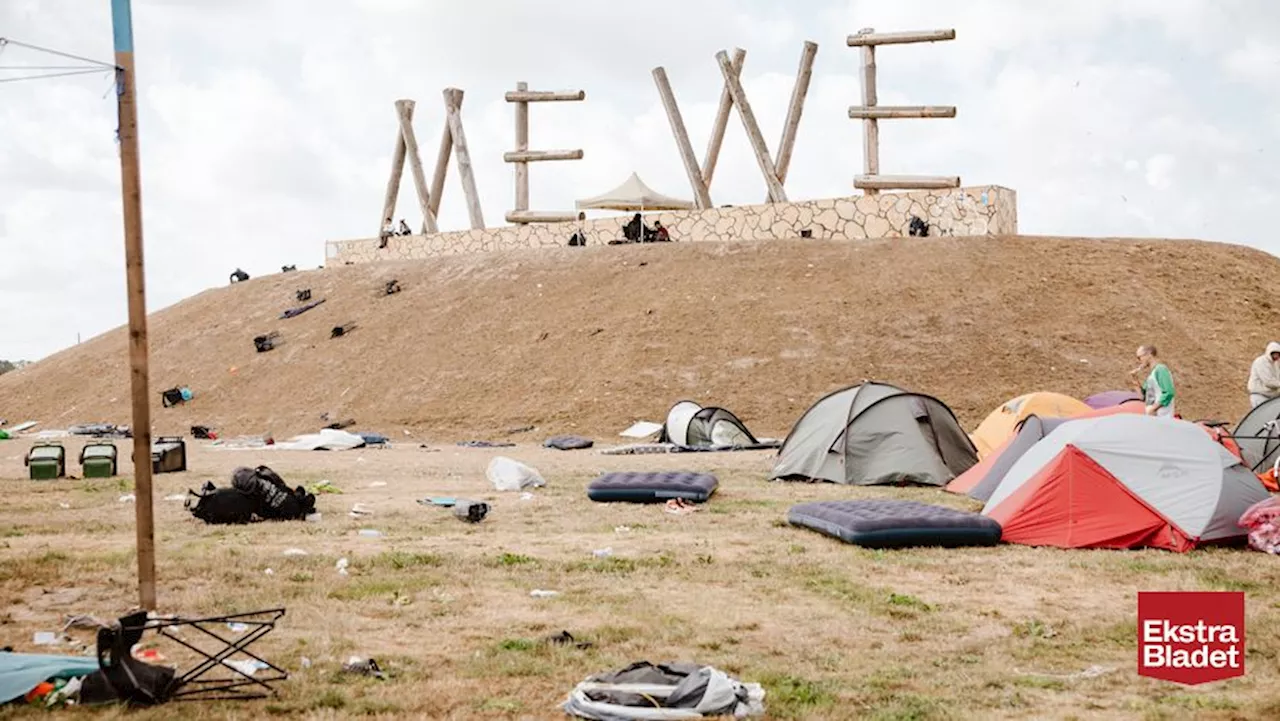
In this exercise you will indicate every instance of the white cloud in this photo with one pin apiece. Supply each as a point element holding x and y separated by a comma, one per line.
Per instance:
<point>267,125</point>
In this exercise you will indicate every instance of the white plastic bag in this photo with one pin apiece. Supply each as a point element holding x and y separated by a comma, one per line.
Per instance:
<point>508,475</point>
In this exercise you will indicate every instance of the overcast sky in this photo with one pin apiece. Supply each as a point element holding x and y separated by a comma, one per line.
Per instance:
<point>267,125</point>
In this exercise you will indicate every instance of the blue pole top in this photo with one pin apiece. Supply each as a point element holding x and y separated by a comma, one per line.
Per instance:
<point>122,25</point>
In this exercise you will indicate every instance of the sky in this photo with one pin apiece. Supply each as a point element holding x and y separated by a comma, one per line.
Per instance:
<point>267,126</point>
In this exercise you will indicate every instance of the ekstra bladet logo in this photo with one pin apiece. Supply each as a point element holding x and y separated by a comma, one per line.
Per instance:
<point>1191,637</point>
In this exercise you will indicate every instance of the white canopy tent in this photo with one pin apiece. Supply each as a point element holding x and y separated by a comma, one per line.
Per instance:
<point>634,195</point>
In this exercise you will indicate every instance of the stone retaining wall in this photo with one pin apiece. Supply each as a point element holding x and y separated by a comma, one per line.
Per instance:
<point>982,210</point>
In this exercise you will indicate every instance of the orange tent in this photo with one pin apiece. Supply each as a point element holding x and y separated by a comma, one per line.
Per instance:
<point>1002,423</point>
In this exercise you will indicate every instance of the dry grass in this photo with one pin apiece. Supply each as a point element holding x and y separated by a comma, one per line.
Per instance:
<point>831,631</point>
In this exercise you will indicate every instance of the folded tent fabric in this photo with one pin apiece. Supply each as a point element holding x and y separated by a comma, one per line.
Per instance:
<point>664,691</point>
<point>21,672</point>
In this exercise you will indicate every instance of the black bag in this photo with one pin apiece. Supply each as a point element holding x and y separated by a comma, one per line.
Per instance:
<point>223,506</point>
<point>276,500</point>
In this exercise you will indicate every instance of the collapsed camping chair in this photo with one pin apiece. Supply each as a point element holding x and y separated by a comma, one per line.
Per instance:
<point>303,295</point>
<point>341,330</point>
<point>255,494</point>
<point>239,276</point>
<point>288,268</point>
<point>123,678</point>
<point>264,343</point>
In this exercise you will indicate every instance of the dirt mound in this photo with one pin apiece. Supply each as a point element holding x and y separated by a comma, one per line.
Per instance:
<point>590,340</point>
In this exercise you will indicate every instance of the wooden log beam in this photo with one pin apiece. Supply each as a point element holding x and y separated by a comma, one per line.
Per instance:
<point>906,182</point>
<point>869,38</point>
<point>453,104</point>
<point>404,109</point>
<point>886,112</point>
<point>533,156</point>
<point>442,162</point>
<point>393,183</point>
<point>776,193</point>
<point>540,216</point>
<point>795,109</point>
<point>524,95</point>
<point>700,196</point>
<point>522,145</point>
<point>870,127</point>
<point>722,122</point>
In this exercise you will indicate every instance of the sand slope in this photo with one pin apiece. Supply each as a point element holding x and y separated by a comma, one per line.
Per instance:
<point>589,340</point>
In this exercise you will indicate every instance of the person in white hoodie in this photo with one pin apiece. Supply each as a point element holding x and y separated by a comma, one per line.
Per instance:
<point>1264,376</point>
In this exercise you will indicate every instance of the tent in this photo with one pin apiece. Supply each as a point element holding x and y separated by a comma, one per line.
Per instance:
<point>1124,481</point>
<point>875,433</point>
<point>1258,435</point>
<point>689,424</point>
<point>978,482</point>
<point>1107,399</point>
<point>633,194</point>
<point>999,426</point>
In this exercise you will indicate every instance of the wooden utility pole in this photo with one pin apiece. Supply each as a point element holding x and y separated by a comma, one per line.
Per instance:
<point>131,191</point>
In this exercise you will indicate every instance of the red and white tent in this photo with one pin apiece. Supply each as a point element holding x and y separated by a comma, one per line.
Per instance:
<point>1124,481</point>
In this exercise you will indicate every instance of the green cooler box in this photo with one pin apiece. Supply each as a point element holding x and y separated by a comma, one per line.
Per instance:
<point>47,461</point>
<point>98,459</point>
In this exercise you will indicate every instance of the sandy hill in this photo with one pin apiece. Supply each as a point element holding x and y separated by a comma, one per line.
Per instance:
<point>589,340</point>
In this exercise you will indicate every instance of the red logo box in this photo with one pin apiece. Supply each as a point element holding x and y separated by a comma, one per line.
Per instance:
<point>1191,637</point>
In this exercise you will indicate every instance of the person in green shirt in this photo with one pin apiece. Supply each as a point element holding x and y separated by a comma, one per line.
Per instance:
<point>1157,389</point>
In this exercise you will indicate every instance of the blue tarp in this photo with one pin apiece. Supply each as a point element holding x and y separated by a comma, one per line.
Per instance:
<point>21,672</point>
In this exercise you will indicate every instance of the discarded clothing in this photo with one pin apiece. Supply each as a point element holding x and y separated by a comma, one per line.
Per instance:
<point>327,439</point>
<point>568,443</point>
<point>667,691</point>
<point>374,439</point>
<point>204,433</point>
<point>295,312</point>
<point>1263,521</point>
<point>486,444</point>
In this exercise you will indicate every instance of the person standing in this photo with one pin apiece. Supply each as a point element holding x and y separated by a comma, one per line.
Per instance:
<point>1264,376</point>
<point>1157,389</point>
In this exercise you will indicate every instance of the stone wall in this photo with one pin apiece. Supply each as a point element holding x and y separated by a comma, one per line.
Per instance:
<point>983,210</point>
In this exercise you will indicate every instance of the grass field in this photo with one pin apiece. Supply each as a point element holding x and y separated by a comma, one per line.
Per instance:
<point>831,631</point>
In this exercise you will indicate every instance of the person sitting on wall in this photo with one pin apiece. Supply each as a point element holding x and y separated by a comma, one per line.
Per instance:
<point>404,228</point>
<point>636,231</point>
<point>660,234</point>
<point>579,238</point>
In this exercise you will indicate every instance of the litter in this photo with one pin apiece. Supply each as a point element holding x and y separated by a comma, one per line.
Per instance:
<point>642,429</point>
<point>679,507</point>
<point>313,517</point>
<point>370,533</point>
<point>526,496</point>
<point>540,593</point>
<point>678,690</point>
<point>64,505</point>
<point>470,511</point>
<point>148,655</point>
<point>46,638</point>
<point>602,552</point>
<point>128,498</point>
<point>485,444</point>
<point>255,494</point>
<point>294,552</point>
<point>442,502</point>
<point>269,572</point>
<point>328,439</point>
<point>321,487</point>
<point>378,484</point>
<point>359,510</point>
<point>295,312</point>
<point>237,627</point>
<point>341,566</point>
<point>176,497</point>
<point>305,662</point>
<point>564,638</point>
<point>622,529</point>
<point>248,667</point>
<point>83,622</point>
<point>363,667</point>
<point>1263,522</point>
<point>508,475</point>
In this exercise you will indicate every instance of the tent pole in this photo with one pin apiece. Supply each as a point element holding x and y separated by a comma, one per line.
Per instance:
<point>131,188</point>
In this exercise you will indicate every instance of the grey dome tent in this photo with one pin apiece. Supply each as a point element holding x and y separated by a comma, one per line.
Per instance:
<point>873,434</point>
<point>689,424</point>
<point>1258,435</point>
<point>980,481</point>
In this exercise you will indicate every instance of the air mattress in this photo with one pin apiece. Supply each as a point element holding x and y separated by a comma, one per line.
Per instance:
<point>655,487</point>
<point>895,524</point>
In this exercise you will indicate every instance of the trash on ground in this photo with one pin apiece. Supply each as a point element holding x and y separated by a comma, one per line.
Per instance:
<point>443,502</point>
<point>370,533</point>
<point>268,572</point>
<point>602,552</point>
<point>510,475</point>
<point>295,552</point>
<point>128,498</point>
<point>1263,522</point>
<point>341,566</point>
<point>83,622</point>
<point>378,484</point>
<point>526,496</point>
<point>238,627</point>
<point>680,506</point>
<point>622,529</point>
<point>64,505</point>
<point>564,638</point>
<point>46,638</point>
<point>248,666</point>
<point>255,494</point>
<point>322,487</point>
<point>540,593</point>
<point>363,667</point>
<point>313,517</point>
<point>175,497</point>
<point>470,511</point>
<point>642,429</point>
<point>359,510</point>
<point>681,690</point>
<point>486,444</point>
<point>568,443</point>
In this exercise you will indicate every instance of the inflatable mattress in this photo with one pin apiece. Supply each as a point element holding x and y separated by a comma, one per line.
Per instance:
<point>652,487</point>
<point>895,524</point>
